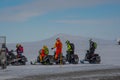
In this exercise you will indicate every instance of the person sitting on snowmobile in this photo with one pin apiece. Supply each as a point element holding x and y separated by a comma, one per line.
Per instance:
<point>43,52</point>
<point>58,46</point>
<point>70,50</point>
<point>93,46</point>
<point>19,50</point>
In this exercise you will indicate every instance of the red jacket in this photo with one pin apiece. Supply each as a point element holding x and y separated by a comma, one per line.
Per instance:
<point>58,46</point>
<point>20,49</point>
<point>42,53</point>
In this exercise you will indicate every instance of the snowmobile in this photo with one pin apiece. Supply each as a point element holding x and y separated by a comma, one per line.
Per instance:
<point>91,58</point>
<point>74,59</point>
<point>47,60</point>
<point>15,60</point>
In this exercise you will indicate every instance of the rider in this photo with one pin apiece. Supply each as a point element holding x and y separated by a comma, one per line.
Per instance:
<point>70,50</point>
<point>19,50</point>
<point>93,46</point>
<point>58,46</point>
<point>43,52</point>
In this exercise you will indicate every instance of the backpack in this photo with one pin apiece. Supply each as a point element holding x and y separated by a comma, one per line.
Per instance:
<point>72,46</point>
<point>46,51</point>
<point>95,45</point>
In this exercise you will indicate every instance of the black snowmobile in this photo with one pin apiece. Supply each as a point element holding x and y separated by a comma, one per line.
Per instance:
<point>14,60</point>
<point>92,58</point>
<point>47,60</point>
<point>72,59</point>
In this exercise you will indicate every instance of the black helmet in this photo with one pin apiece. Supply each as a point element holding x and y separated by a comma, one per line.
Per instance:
<point>67,42</point>
<point>90,39</point>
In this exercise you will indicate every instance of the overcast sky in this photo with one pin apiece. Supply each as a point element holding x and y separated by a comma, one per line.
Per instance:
<point>33,20</point>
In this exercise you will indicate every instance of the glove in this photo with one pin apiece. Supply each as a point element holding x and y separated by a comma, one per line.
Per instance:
<point>52,48</point>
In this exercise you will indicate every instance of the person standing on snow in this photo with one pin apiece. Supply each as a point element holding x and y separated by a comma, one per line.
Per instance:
<point>70,50</point>
<point>3,58</point>
<point>19,50</point>
<point>58,46</point>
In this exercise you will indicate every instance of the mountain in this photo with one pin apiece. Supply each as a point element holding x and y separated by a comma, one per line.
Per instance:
<point>81,45</point>
<point>108,50</point>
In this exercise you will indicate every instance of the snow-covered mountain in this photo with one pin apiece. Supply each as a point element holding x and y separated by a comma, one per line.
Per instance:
<point>106,48</point>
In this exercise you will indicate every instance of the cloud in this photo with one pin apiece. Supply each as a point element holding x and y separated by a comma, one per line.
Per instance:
<point>90,22</point>
<point>40,7</point>
<point>22,16</point>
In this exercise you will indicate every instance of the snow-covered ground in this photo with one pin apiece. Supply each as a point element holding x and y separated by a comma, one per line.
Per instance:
<point>29,70</point>
<point>108,50</point>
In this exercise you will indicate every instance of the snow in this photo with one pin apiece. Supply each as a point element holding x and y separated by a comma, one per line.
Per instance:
<point>28,70</point>
<point>108,50</point>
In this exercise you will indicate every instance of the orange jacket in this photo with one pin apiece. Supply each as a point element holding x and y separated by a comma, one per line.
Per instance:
<point>58,46</point>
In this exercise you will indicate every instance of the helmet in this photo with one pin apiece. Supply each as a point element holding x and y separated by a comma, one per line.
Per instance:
<point>67,42</point>
<point>17,45</point>
<point>20,45</point>
<point>90,39</point>
<point>44,46</point>
<point>58,38</point>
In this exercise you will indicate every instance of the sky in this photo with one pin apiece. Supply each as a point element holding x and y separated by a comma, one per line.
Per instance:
<point>34,20</point>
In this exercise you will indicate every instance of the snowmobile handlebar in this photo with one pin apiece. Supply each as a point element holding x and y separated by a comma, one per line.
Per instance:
<point>12,51</point>
<point>52,48</point>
